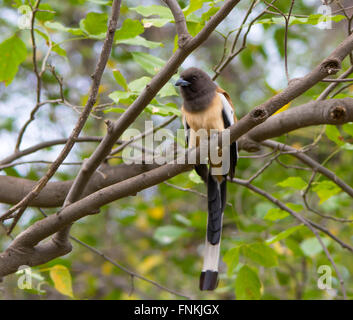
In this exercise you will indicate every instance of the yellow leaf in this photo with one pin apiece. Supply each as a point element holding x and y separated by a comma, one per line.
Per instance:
<point>142,223</point>
<point>282,109</point>
<point>107,268</point>
<point>62,279</point>
<point>281,249</point>
<point>297,145</point>
<point>126,296</point>
<point>102,88</point>
<point>156,212</point>
<point>150,262</point>
<point>111,64</point>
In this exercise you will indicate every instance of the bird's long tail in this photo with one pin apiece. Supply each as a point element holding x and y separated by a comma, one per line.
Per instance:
<point>216,193</point>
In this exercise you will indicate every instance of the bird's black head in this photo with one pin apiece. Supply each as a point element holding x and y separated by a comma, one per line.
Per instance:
<point>197,88</point>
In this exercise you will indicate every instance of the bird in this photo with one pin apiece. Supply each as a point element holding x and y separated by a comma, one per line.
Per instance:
<point>207,106</point>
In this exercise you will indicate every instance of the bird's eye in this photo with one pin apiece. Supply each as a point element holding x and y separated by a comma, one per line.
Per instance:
<point>194,78</point>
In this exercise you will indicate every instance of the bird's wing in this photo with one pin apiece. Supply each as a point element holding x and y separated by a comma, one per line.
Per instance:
<point>229,119</point>
<point>186,130</point>
<point>229,100</point>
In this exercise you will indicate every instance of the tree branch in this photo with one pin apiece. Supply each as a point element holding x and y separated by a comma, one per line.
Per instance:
<point>334,111</point>
<point>96,78</point>
<point>180,22</point>
<point>311,163</point>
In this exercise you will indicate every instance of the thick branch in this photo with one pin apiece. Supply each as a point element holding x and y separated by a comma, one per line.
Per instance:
<point>13,189</point>
<point>334,111</point>
<point>180,22</point>
<point>314,113</point>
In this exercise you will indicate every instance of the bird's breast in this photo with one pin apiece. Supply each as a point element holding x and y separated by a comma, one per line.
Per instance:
<point>209,118</point>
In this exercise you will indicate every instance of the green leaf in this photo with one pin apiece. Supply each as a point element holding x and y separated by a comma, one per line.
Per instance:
<point>163,109</point>
<point>278,36</point>
<point>148,62</point>
<point>334,134</point>
<point>313,19</point>
<point>211,12</point>
<point>12,172</point>
<point>231,258</point>
<point>262,208</point>
<point>139,84</point>
<point>7,124</point>
<point>119,78</point>
<point>156,22</point>
<point>311,247</point>
<point>193,6</point>
<point>62,279</point>
<point>122,96</point>
<point>194,177</point>
<point>283,235</point>
<point>57,26</point>
<point>95,23</point>
<point>44,16</point>
<point>247,284</point>
<point>294,247</point>
<point>167,91</point>
<point>326,189</point>
<point>102,2</point>
<point>129,29</point>
<point>194,27</point>
<point>275,214</point>
<point>260,253</point>
<point>140,41</point>
<point>180,218</point>
<point>293,182</point>
<point>147,11</point>
<point>348,128</point>
<point>294,206</point>
<point>115,110</point>
<point>57,49</point>
<point>168,234</point>
<point>12,53</point>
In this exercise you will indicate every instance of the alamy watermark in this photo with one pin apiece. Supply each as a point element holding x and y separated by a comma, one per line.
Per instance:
<point>325,21</point>
<point>26,279</point>
<point>324,281</point>
<point>161,148</point>
<point>25,17</point>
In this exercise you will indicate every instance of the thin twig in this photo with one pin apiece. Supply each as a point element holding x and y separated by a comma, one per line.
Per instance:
<point>38,76</point>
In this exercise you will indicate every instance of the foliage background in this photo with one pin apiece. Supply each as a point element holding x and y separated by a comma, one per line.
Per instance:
<point>159,233</point>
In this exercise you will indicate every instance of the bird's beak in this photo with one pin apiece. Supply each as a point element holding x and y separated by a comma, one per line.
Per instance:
<point>182,83</point>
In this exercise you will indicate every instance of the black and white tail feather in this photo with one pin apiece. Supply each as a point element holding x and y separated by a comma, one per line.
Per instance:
<point>217,197</point>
